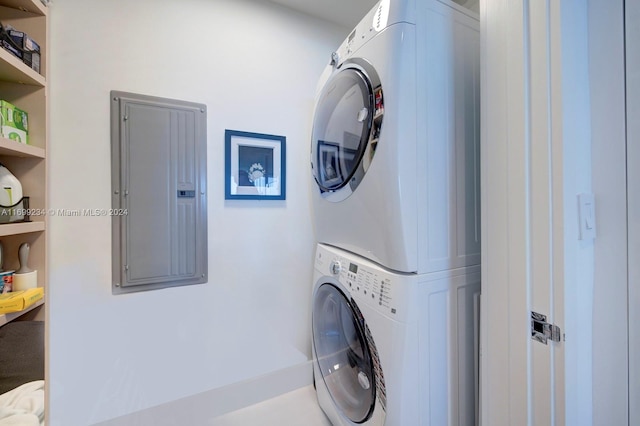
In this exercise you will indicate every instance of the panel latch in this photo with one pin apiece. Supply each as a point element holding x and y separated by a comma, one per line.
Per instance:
<point>542,331</point>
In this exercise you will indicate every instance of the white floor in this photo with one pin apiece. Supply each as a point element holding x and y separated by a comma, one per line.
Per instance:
<point>296,408</point>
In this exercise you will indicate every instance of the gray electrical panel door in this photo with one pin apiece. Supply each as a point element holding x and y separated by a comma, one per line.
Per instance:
<point>159,201</point>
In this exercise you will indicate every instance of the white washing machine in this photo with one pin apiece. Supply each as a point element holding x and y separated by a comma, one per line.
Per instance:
<point>395,143</point>
<point>394,349</point>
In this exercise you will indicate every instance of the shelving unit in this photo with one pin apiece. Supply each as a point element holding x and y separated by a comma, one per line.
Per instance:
<point>27,90</point>
<point>14,315</point>
<point>12,148</point>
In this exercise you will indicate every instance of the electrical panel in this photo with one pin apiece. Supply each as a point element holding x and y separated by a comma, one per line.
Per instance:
<point>159,197</point>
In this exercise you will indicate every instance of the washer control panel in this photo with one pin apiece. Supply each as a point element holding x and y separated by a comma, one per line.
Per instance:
<point>364,280</point>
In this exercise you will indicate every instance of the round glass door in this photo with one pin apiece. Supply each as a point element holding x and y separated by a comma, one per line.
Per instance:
<point>341,128</point>
<point>342,353</point>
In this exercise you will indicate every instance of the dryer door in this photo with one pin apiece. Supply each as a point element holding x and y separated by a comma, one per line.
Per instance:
<point>343,354</point>
<point>346,125</point>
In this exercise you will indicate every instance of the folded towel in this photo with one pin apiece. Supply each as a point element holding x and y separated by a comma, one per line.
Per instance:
<point>23,406</point>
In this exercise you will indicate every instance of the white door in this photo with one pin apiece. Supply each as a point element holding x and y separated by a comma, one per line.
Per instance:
<point>534,74</point>
<point>632,11</point>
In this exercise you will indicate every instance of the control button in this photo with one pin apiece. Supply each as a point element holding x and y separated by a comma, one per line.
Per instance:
<point>335,58</point>
<point>363,380</point>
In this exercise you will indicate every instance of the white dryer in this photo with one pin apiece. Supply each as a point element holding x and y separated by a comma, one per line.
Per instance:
<point>395,142</point>
<point>394,349</point>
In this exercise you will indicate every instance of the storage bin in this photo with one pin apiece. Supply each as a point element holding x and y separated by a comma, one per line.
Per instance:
<point>15,213</point>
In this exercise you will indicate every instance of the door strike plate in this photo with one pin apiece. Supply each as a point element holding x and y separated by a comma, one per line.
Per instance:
<point>542,331</point>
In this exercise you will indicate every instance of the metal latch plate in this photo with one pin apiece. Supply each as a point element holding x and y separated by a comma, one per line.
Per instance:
<point>542,331</point>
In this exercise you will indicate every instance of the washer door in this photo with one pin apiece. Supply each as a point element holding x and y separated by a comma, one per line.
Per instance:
<point>343,354</point>
<point>346,126</point>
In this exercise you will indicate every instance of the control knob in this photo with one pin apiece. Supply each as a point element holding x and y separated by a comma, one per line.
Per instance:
<point>335,58</point>
<point>335,267</point>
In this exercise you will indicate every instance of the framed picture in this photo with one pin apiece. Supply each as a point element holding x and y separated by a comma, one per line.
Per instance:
<point>336,163</point>
<point>255,166</point>
<point>330,172</point>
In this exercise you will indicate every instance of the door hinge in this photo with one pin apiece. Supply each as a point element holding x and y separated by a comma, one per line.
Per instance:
<point>542,331</point>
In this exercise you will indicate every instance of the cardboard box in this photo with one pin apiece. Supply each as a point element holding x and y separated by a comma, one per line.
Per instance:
<point>20,300</point>
<point>6,281</point>
<point>9,47</point>
<point>14,123</point>
<point>30,49</point>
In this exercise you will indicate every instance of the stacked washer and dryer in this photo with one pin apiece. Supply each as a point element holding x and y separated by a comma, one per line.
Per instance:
<point>395,159</point>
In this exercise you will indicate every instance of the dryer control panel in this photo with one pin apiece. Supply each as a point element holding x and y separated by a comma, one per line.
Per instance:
<point>365,281</point>
<point>384,14</point>
<point>372,24</point>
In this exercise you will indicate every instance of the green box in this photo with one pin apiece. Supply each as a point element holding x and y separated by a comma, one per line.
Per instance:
<point>14,123</point>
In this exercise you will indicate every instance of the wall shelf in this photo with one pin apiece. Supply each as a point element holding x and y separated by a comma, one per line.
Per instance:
<point>32,6</point>
<point>20,228</point>
<point>14,70</point>
<point>17,149</point>
<point>5,318</point>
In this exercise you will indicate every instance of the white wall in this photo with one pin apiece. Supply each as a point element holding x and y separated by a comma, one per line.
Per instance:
<point>610,340</point>
<point>255,66</point>
<point>632,62</point>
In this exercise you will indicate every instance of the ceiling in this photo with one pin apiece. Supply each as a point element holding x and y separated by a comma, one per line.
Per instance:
<point>342,12</point>
<point>347,12</point>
